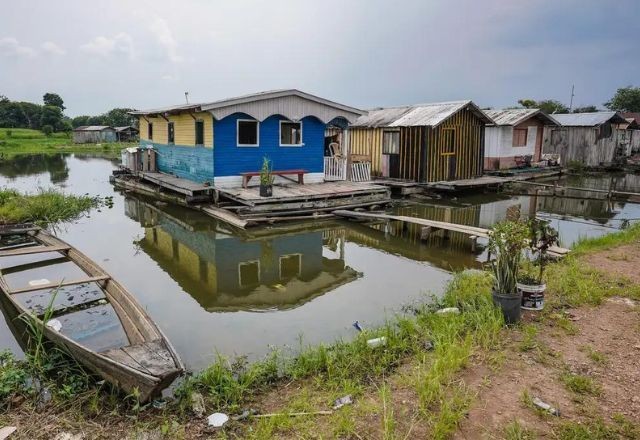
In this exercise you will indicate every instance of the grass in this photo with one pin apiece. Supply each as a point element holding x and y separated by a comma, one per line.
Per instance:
<point>580,384</point>
<point>44,207</point>
<point>596,356</point>
<point>599,430</point>
<point>26,141</point>
<point>515,431</point>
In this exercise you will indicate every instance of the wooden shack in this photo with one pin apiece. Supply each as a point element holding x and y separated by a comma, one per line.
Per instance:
<point>422,143</point>
<point>516,137</point>
<point>127,133</point>
<point>589,139</point>
<point>94,134</point>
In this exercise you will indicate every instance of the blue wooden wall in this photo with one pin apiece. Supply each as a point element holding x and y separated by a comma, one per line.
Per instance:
<point>231,160</point>
<point>193,163</point>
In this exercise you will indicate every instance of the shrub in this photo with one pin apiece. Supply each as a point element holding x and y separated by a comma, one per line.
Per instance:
<point>47,130</point>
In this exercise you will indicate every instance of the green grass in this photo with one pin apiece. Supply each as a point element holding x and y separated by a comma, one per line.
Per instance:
<point>26,141</point>
<point>599,430</point>
<point>596,356</point>
<point>515,431</point>
<point>580,384</point>
<point>44,207</point>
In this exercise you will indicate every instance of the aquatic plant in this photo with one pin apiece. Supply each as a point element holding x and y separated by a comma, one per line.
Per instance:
<point>44,207</point>
<point>507,240</point>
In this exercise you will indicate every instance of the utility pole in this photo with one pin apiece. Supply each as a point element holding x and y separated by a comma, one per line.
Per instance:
<point>571,102</point>
<point>186,97</point>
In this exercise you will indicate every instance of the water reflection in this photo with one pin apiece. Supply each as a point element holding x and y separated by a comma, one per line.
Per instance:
<point>31,164</point>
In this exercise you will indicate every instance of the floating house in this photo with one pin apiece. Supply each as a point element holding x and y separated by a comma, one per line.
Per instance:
<point>590,139</point>
<point>216,142</point>
<point>422,143</point>
<point>516,138</point>
<point>94,134</point>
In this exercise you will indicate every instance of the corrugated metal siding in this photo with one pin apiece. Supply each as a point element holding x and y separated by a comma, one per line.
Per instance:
<point>368,141</point>
<point>231,160</point>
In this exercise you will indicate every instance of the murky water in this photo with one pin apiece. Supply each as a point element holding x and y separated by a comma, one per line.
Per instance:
<point>238,294</point>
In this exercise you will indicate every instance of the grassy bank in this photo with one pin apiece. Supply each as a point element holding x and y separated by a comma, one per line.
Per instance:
<point>44,207</point>
<point>413,386</point>
<point>16,141</point>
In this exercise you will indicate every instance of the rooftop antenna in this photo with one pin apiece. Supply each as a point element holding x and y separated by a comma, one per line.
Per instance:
<point>186,97</point>
<point>571,102</point>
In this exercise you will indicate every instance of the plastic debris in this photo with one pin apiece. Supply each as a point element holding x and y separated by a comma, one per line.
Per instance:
<point>446,310</point>
<point>428,345</point>
<point>40,282</point>
<point>244,415</point>
<point>339,403</point>
<point>217,420</point>
<point>6,431</point>
<point>546,407</point>
<point>159,404</point>
<point>54,324</point>
<point>357,326</point>
<point>376,342</point>
<point>197,404</point>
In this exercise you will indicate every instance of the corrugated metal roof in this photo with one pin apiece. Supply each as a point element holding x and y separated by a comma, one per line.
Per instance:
<point>430,114</point>
<point>126,127</point>
<point>168,109</point>
<point>92,128</point>
<point>514,116</point>
<point>588,119</point>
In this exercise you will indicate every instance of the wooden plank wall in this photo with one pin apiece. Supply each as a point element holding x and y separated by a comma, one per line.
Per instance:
<point>581,144</point>
<point>468,148</point>
<point>412,153</point>
<point>368,141</point>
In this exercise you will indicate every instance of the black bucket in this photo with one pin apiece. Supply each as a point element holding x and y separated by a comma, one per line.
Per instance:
<point>532,296</point>
<point>510,306</point>
<point>266,190</point>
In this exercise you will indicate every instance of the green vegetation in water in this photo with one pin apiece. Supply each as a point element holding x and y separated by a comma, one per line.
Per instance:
<point>15,141</point>
<point>44,207</point>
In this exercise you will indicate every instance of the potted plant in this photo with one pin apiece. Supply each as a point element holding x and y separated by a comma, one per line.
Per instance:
<point>507,240</point>
<point>541,237</point>
<point>266,178</point>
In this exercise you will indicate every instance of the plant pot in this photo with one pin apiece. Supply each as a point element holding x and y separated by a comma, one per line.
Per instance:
<point>266,190</point>
<point>510,306</point>
<point>532,295</point>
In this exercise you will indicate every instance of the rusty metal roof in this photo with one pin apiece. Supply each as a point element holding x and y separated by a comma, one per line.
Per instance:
<point>515,116</point>
<point>430,114</point>
<point>588,119</point>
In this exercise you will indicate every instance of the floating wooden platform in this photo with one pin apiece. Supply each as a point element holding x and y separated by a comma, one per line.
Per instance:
<point>430,226</point>
<point>177,184</point>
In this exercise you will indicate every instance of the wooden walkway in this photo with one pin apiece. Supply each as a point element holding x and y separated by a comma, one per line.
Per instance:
<point>430,226</point>
<point>177,184</point>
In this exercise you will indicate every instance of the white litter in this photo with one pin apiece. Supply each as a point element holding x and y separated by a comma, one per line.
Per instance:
<point>339,403</point>
<point>373,343</point>
<point>446,310</point>
<point>54,324</point>
<point>7,431</point>
<point>40,282</point>
<point>546,407</point>
<point>217,420</point>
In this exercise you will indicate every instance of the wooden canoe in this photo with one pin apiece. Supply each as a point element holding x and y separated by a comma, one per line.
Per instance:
<point>93,316</point>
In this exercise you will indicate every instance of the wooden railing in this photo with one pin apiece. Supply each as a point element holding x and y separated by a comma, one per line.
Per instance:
<point>361,171</point>
<point>335,168</point>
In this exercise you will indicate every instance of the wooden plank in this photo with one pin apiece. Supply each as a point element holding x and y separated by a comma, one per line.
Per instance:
<point>68,297</point>
<point>224,215</point>
<point>122,357</point>
<point>32,265</point>
<point>60,284</point>
<point>34,250</point>
<point>153,356</point>
<point>16,229</point>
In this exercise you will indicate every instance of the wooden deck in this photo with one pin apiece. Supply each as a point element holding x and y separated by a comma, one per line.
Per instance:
<point>177,184</point>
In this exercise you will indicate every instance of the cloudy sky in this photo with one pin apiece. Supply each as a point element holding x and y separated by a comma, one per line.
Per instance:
<point>103,54</point>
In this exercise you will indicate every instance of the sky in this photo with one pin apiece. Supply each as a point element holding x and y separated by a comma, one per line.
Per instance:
<point>365,53</point>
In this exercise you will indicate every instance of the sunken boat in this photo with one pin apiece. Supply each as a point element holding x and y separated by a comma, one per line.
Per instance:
<point>82,309</point>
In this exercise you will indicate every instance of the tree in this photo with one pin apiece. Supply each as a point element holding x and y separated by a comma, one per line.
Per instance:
<point>585,109</point>
<point>546,105</point>
<point>4,99</point>
<point>53,99</point>
<point>79,121</point>
<point>51,115</point>
<point>47,130</point>
<point>527,103</point>
<point>119,117</point>
<point>626,99</point>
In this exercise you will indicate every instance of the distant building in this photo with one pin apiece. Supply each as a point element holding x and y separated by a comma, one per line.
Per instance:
<point>422,143</point>
<point>94,134</point>
<point>127,134</point>
<point>590,139</point>
<point>515,138</point>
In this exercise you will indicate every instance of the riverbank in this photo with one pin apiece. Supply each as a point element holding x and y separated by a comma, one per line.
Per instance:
<point>19,141</point>
<point>44,207</point>
<point>438,376</point>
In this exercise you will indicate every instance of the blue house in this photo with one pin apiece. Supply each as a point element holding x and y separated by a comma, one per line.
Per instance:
<point>215,142</point>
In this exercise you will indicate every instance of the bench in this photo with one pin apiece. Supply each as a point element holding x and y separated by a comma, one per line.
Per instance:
<point>246,177</point>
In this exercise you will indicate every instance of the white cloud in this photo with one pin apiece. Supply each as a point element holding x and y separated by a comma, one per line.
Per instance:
<point>9,46</point>
<point>168,77</point>
<point>121,44</point>
<point>52,48</point>
<point>164,37</point>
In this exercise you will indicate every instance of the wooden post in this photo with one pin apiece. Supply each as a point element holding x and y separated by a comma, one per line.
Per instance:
<point>347,153</point>
<point>474,242</point>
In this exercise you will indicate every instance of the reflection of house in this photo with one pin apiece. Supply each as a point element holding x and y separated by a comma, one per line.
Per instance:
<point>588,139</point>
<point>94,134</point>
<point>516,133</point>
<point>224,272</point>
<point>423,143</point>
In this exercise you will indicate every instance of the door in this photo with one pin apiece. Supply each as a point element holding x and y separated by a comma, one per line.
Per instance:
<point>452,167</point>
<point>391,153</point>
<point>449,151</point>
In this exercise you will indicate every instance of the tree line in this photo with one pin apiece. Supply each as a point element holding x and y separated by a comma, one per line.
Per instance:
<point>626,99</point>
<point>49,116</point>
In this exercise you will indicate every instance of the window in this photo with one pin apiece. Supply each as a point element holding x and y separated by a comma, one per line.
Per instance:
<point>248,133</point>
<point>249,273</point>
<point>199,132</point>
<point>290,134</point>
<point>520,137</point>
<point>171,133</point>
<point>290,266</point>
<point>391,142</point>
<point>150,131</point>
<point>448,141</point>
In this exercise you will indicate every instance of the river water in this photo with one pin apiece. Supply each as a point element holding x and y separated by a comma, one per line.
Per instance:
<point>215,291</point>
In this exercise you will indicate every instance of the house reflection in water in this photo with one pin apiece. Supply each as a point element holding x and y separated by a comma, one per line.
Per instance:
<point>228,273</point>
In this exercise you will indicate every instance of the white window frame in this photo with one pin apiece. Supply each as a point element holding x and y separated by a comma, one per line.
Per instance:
<point>282,257</point>
<point>238,144</point>
<point>286,121</point>
<point>248,263</point>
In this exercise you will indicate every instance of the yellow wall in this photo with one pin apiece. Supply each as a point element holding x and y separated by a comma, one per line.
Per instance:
<point>184,125</point>
<point>367,141</point>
